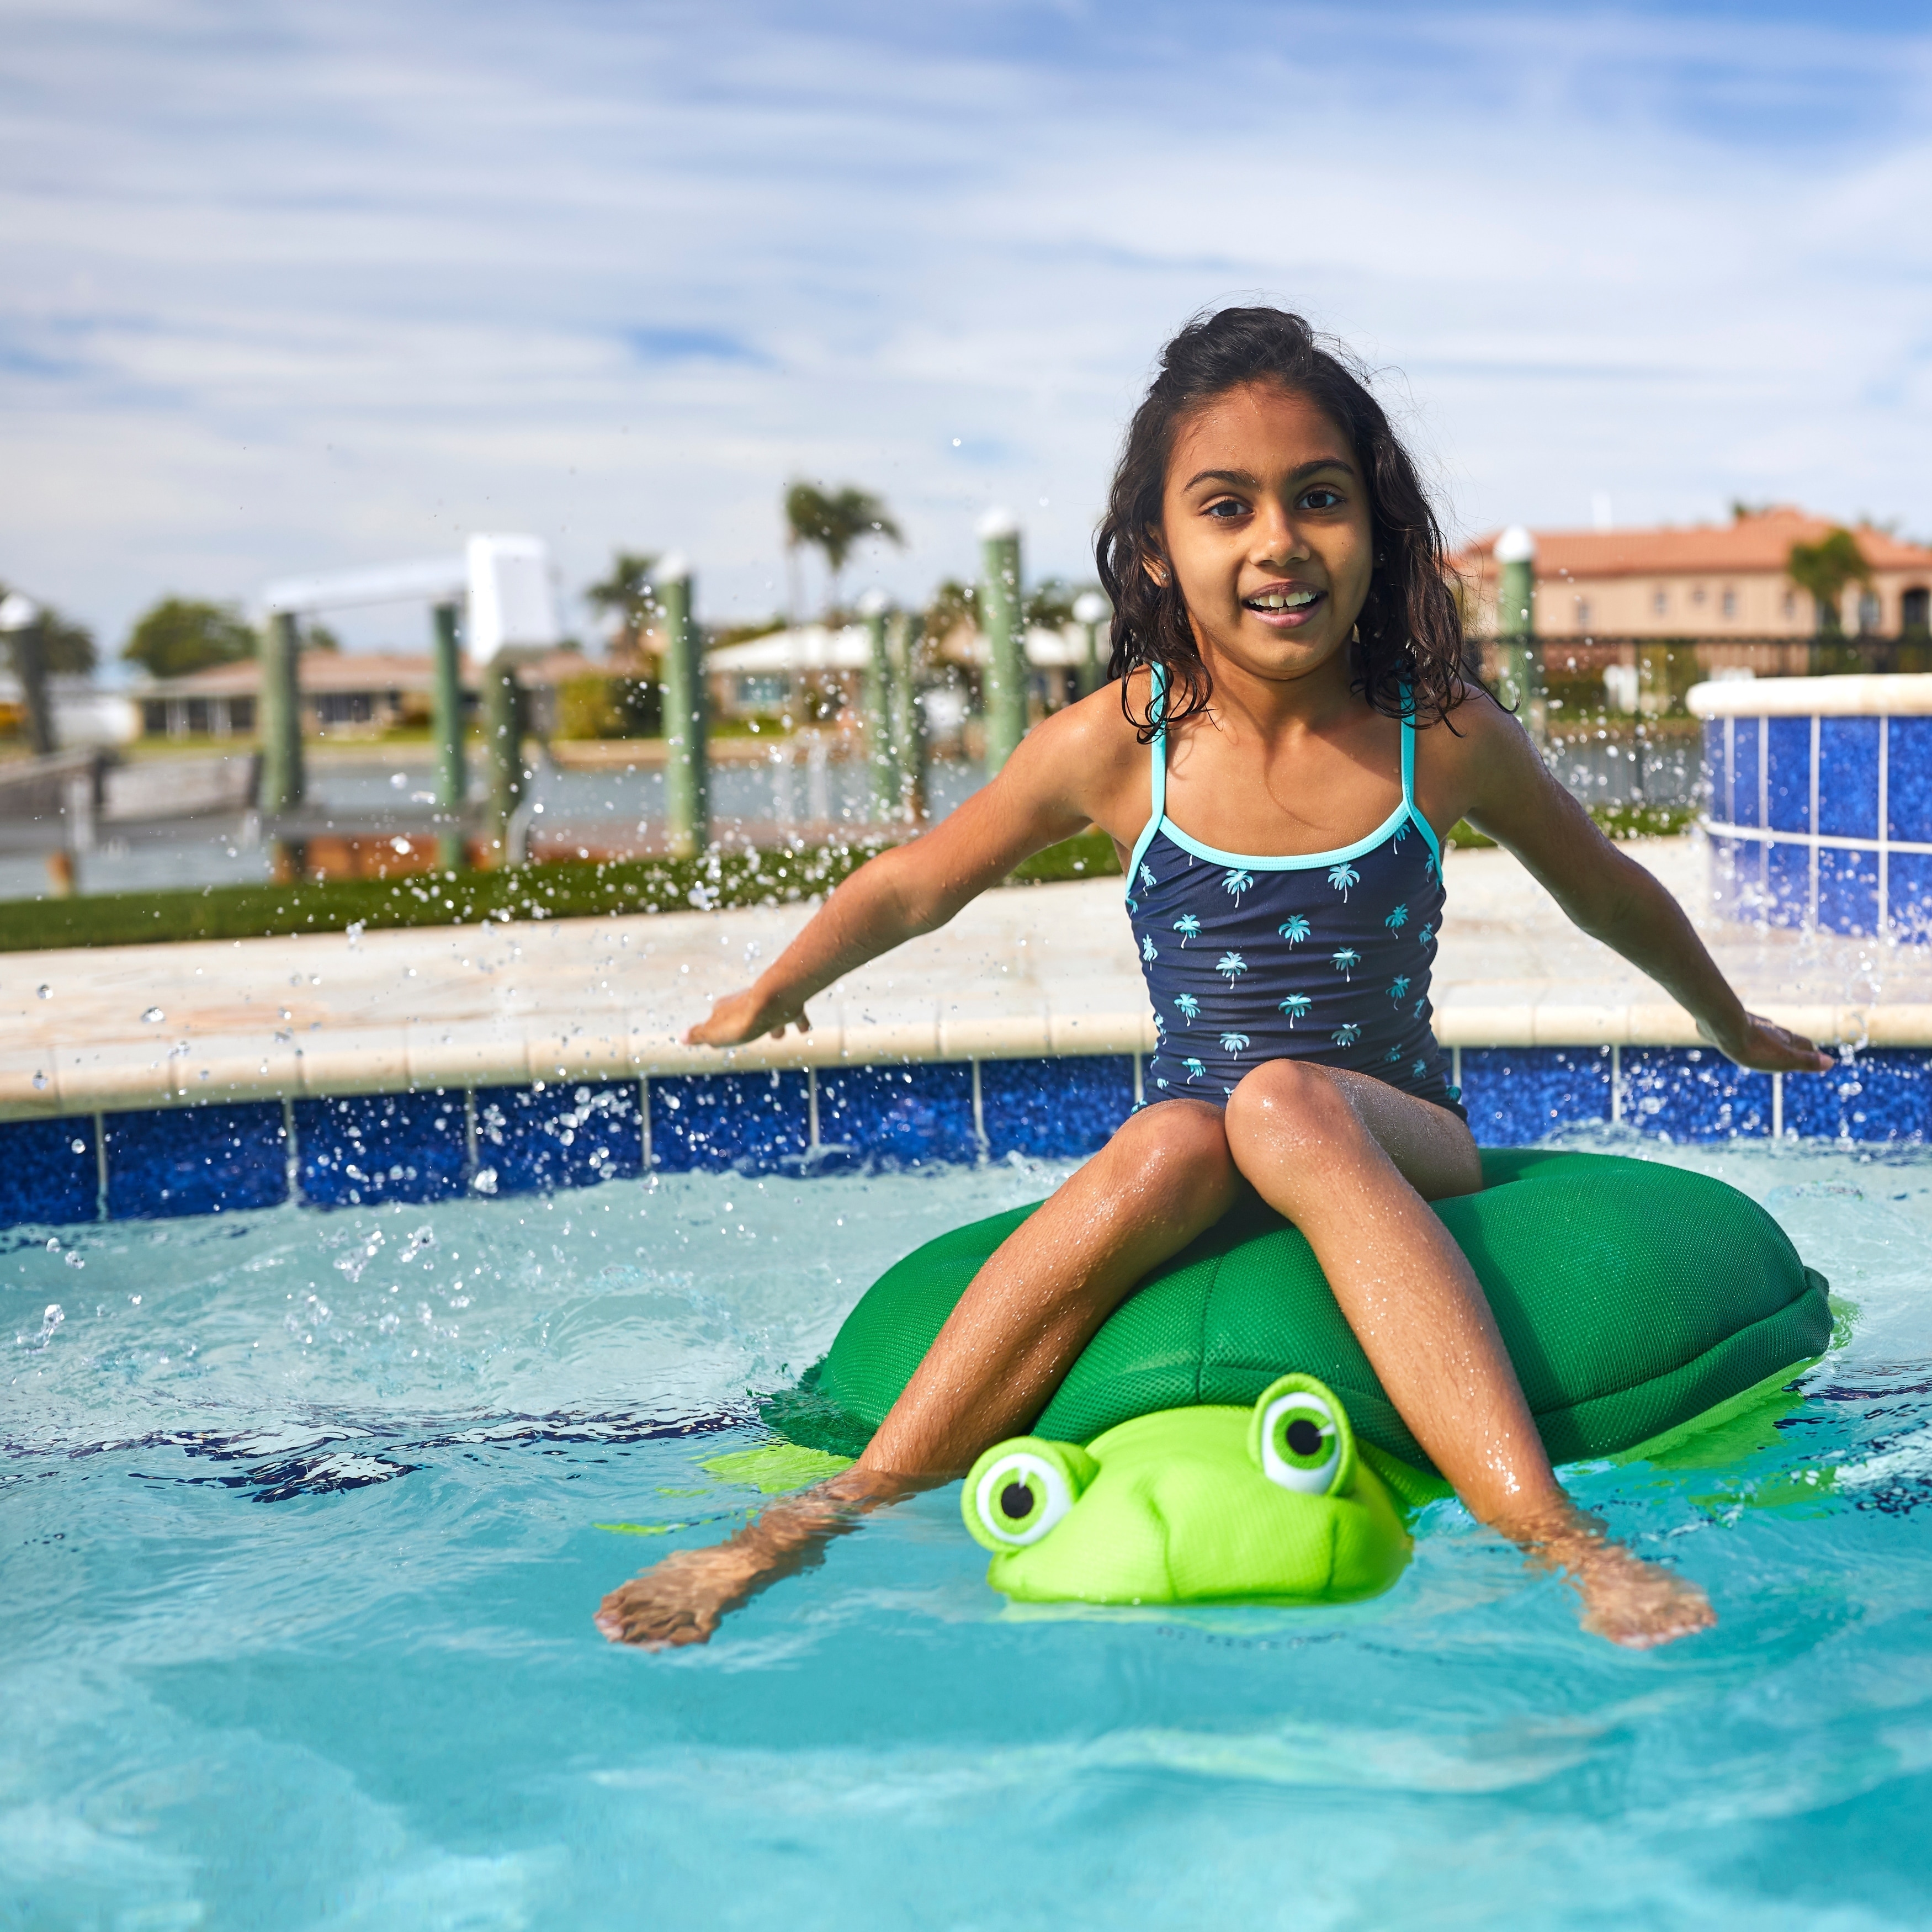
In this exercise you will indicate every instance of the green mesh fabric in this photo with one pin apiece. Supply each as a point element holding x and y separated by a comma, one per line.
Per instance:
<point>1632,1297</point>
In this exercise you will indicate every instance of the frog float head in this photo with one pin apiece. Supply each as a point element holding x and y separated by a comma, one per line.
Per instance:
<point>1271,1503</point>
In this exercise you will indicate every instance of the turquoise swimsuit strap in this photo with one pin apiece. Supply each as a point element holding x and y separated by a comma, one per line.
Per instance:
<point>1157,710</point>
<point>1427,830</point>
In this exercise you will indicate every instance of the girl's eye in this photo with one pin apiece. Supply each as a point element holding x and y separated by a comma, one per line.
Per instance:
<point>1225,508</point>
<point>1323,499</point>
<point>1021,1498</point>
<point>1301,1447</point>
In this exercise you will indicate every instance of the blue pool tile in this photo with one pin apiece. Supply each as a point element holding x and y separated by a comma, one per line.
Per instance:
<point>1692,1093</point>
<point>48,1172</point>
<point>197,1160</point>
<point>1718,766</point>
<point>1847,890</point>
<point>1516,1094</point>
<point>1908,781</point>
<point>559,1134</point>
<point>1789,769</point>
<point>719,1121</point>
<point>1054,1108</point>
<point>1848,777</point>
<point>1877,1097</point>
<point>1726,899</point>
<point>356,1149</point>
<point>1738,882</point>
<point>1745,761</point>
<point>1909,895</point>
<point>1787,885</point>
<point>899,1116</point>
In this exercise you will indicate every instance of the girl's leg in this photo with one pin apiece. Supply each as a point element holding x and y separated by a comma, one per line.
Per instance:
<point>1164,1178</point>
<point>1352,1162</point>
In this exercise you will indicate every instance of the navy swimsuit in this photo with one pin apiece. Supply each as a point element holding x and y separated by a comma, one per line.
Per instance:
<point>1324,957</point>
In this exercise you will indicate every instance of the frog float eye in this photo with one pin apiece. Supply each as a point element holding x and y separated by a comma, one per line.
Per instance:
<point>1019,1491</point>
<point>1300,1439</point>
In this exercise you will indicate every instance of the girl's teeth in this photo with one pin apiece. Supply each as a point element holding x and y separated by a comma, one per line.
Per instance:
<point>1279,600</point>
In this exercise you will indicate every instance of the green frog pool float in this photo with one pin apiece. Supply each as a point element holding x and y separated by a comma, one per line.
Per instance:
<point>1223,1437</point>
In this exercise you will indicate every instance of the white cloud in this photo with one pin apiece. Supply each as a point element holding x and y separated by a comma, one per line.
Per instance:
<point>309,287</point>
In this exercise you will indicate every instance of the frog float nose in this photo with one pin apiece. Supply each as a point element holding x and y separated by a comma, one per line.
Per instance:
<point>1211,1504</point>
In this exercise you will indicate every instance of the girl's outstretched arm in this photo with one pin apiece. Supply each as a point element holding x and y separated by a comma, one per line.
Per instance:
<point>1511,796</point>
<point>1069,772</point>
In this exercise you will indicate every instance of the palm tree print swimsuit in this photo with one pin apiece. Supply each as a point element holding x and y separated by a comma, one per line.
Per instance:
<point>1325,956</point>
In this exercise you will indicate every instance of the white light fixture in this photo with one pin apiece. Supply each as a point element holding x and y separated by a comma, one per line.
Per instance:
<point>511,606</point>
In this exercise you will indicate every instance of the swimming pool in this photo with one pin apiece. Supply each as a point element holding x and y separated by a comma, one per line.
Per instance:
<point>301,1527</point>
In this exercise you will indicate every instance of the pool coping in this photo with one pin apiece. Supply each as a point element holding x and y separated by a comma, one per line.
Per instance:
<point>77,1078</point>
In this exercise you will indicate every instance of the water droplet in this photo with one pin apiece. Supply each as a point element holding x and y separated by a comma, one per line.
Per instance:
<point>153,1014</point>
<point>46,992</point>
<point>39,1083</point>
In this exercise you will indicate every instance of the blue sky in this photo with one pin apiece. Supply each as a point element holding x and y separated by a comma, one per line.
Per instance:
<point>287,288</point>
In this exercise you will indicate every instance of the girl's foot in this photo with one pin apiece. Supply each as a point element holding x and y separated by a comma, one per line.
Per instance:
<point>1632,1603</point>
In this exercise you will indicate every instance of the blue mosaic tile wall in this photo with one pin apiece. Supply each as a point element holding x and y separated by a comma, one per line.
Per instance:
<point>196,1160</point>
<point>359,1149</point>
<point>1852,797</point>
<point>49,1171</point>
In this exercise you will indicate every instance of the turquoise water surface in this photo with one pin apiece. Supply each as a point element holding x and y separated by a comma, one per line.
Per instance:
<point>300,1516</point>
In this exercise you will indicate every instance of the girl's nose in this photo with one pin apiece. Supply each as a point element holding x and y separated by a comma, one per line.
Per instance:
<point>1278,542</point>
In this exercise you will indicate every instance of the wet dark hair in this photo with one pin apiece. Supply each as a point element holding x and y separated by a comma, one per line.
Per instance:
<point>1409,635</point>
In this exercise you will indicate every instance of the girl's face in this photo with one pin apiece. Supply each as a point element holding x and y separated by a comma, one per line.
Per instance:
<point>1265,522</point>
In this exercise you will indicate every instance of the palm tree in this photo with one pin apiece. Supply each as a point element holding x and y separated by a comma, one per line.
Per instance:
<point>1347,1035</point>
<point>626,593</point>
<point>834,523</point>
<point>1397,920</point>
<point>1232,964</point>
<point>1149,951</point>
<point>1187,1005</point>
<point>1197,1069</point>
<point>1188,926</point>
<point>1236,883</point>
<point>1296,1007</point>
<point>1399,988</point>
<point>1822,570</point>
<point>1345,959</point>
<point>1342,877</point>
<point>1235,1043</point>
<point>1295,930</point>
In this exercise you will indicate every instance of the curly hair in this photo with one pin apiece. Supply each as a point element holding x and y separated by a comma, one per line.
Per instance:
<point>1408,653</point>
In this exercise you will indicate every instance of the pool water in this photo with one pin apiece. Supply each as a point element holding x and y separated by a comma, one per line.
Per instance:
<point>301,1525</point>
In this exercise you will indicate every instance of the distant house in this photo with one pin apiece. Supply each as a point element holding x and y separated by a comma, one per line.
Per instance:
<point>345,694</point>
<point>766,673</point>
<point>1706,580</point>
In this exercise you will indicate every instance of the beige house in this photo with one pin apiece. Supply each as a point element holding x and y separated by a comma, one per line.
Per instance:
<point>345,694</point>
<point>1707,580</point>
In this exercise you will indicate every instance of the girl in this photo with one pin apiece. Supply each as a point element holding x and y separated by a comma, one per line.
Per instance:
<point>1288,736</point>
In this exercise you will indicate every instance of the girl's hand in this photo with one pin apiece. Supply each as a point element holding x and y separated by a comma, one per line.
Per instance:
<point>1768,1047</point>
<point>739,1017</point>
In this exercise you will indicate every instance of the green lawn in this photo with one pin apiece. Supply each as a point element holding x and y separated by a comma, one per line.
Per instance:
<point>569,891</point>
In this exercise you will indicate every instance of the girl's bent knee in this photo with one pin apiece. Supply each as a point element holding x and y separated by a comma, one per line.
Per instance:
<point>1292,1096</point>
<point>1174,1145</point>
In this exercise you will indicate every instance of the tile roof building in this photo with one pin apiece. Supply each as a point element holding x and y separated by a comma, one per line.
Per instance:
<point>1706,580</point>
